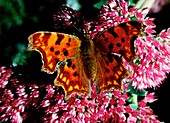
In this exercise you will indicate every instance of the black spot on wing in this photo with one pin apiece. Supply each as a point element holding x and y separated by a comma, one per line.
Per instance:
<point>47,34</point>
<point>57,60</point>
<point>107,62</point>
<point>124,27</point>
<point>118,44</point>
<point>75,74</point>
<point>46,37</point>
<point>73,66</point>
<point>103,35</point>
<point>57,52</point>
<point>112,77</point>
<point>69,40</point>
<point>69,63</point>
<point>106,39</point>
<point>110,57</point>
<point>122,40</point>
<point>122,52</point>
<point>136,24</point>
<point>45,42</point>
<point>113,33</point>
<point>68,44</point>
<point>133,24</point>
<point>59,39</point>
<point>66,52</point>
<point>107,70</point>
<point>118,59</point>
<point>52,49</point>
<point>110,46</point>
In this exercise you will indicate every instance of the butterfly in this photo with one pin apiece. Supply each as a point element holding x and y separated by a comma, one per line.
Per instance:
<point>81,62</point>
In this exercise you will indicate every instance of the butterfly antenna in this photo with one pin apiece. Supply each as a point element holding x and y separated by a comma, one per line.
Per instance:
<point>77,29</point>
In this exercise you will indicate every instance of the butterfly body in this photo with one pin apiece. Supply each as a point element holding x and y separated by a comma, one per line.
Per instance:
<point>87,60</point>
<point>88,57</point>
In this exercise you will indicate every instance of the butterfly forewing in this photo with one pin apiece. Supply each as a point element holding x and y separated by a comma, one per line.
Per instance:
<point>54,47</point>
<point>119,39</point>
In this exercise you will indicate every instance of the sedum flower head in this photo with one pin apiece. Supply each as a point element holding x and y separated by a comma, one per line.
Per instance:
<point>21,101</point>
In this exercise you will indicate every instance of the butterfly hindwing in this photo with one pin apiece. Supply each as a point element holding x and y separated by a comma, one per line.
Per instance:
<point>72,77</point>
<point>110,72</point>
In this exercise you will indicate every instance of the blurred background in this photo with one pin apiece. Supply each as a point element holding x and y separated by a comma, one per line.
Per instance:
<point>20,18</point>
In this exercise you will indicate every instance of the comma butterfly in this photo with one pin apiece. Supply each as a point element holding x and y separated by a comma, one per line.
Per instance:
<point>80,62</point>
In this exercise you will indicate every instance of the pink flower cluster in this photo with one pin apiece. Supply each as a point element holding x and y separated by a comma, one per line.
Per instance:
<point>4,77</point>
<point>18,101</point>
<point>154,58</point>
<point>67,17</point>
<point>106,107</point>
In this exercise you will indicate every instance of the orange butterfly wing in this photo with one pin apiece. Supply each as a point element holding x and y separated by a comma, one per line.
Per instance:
<point>54,48</point>
<point>111,42</point>
<point>72,77</point>
<point>61,52</point>
<point>110,72</point>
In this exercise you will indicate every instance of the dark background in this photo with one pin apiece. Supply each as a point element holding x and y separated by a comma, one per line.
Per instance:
<point>20,19</point>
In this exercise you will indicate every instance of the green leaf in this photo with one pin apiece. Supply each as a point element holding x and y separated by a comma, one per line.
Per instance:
<point>74,4</point>
<point>137,62</point>
<point>134,18</point>
<point>129,99</point>
<point>109,95</point>
<point>131,3</point>
<point>133,106</point>
<point>20,57</point>
<point>137,92</point>
<point>99,4</point>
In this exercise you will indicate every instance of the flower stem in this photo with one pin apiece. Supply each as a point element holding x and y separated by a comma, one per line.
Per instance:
<point>134,99</point>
